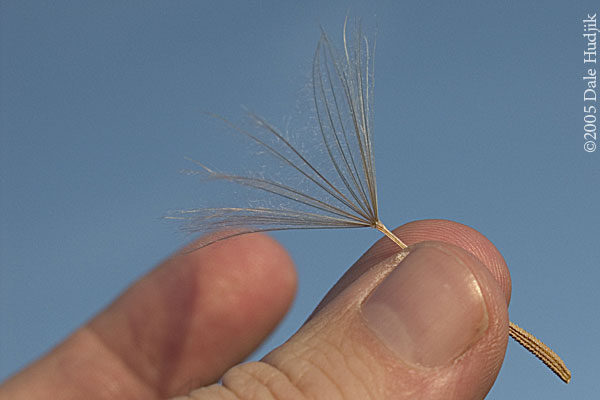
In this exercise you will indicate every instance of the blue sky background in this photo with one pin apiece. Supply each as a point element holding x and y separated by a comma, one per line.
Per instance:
<point>478,119</point>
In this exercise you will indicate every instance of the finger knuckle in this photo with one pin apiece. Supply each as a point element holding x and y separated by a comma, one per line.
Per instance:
<point>301,372</point>
<point>318,369</point>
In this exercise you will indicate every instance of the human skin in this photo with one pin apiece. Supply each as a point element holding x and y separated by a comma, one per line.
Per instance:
<point>184,329</point>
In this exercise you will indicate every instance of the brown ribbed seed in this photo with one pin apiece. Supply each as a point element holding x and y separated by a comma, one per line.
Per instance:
<point>540,350</point>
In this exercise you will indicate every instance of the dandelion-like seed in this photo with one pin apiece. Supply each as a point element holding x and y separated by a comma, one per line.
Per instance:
<point>341,196</point>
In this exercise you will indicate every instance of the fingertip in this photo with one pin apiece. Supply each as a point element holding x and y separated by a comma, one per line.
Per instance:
<point>200,312</point>
<point>257,252</point>
<point>265,268</point>
<point>249,278</point>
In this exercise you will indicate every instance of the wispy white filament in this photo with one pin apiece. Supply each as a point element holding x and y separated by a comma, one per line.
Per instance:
<point>341,196</point>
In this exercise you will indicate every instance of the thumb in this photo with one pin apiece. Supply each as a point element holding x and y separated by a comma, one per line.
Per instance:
<point>427,323</point>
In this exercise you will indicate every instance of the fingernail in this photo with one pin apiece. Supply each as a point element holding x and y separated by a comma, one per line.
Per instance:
<point>429,310</point>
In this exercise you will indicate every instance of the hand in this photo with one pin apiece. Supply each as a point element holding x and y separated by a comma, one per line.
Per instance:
<point>433,326</point>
